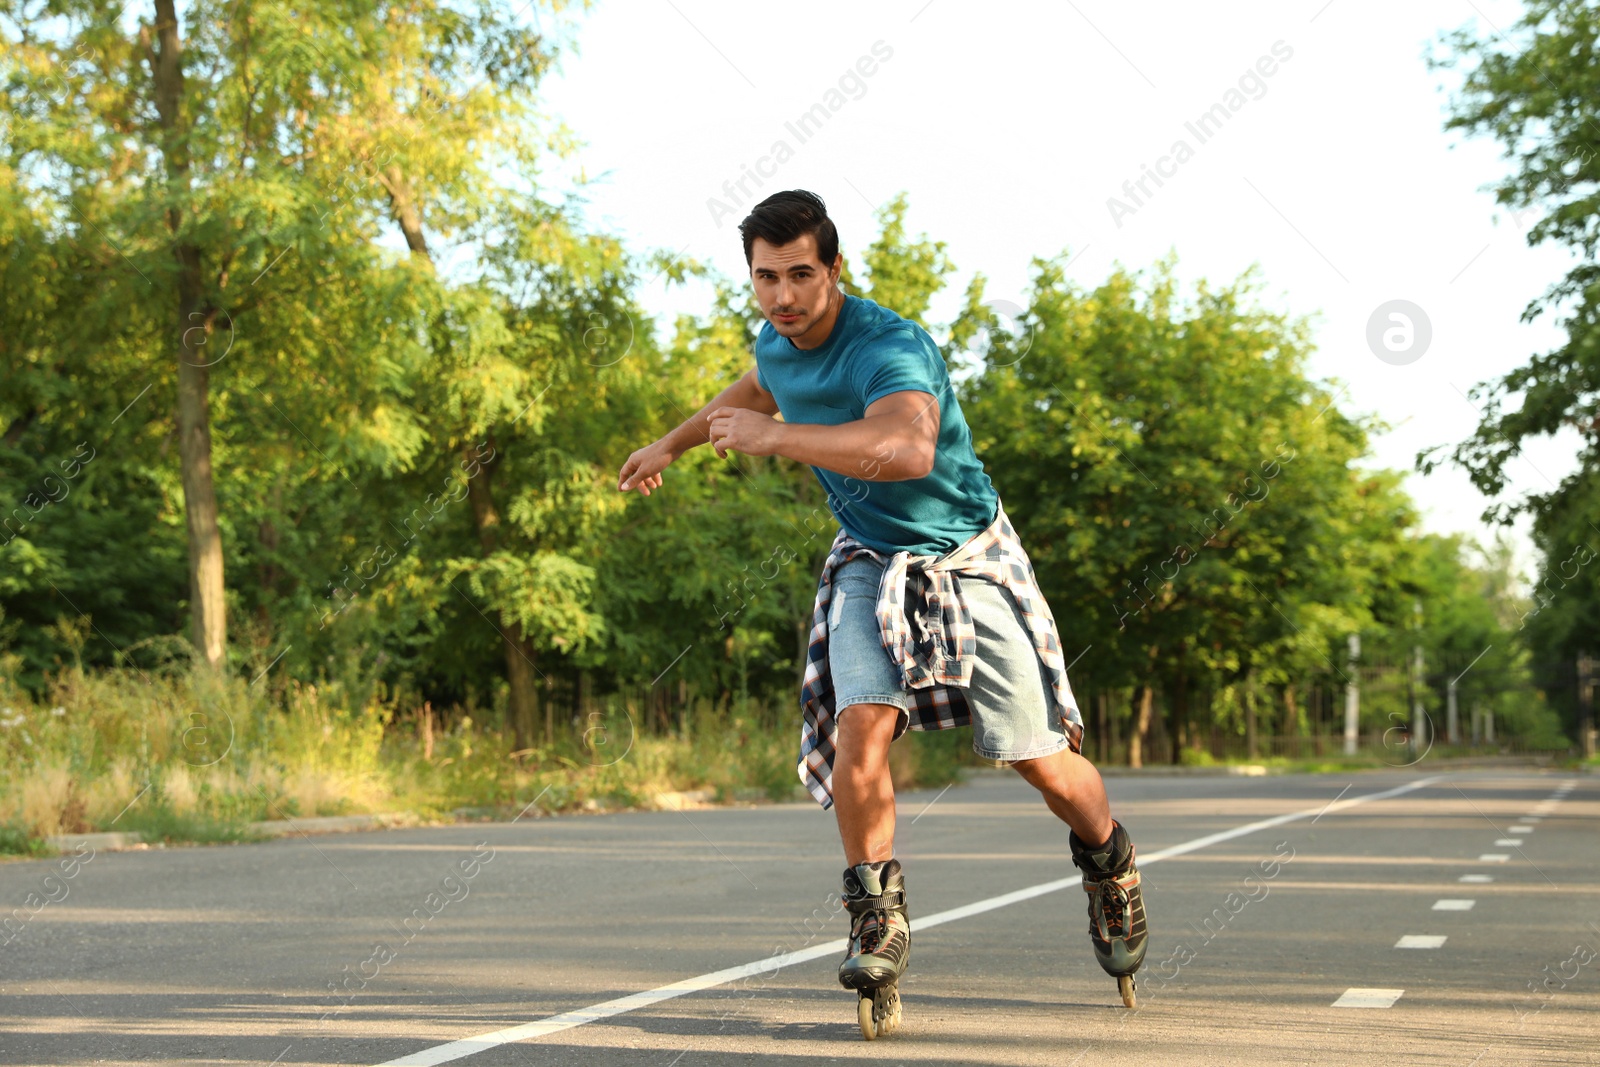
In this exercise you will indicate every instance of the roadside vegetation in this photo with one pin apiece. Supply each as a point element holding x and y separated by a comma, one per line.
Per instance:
<point>312,404</point>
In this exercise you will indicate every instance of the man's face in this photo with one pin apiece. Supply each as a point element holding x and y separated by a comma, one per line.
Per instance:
<point>795,291</point>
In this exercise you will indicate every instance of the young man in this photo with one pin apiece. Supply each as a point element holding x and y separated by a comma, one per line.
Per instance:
<point>927,613</point>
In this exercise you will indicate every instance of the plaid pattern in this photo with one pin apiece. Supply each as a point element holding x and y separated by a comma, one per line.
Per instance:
<point>934,646</point>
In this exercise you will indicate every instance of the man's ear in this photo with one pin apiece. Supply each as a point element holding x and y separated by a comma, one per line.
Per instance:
<point>838,265</point>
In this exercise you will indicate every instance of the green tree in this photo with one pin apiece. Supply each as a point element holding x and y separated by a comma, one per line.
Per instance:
<point>1187,494</point>
<point>1535,90</point>
<point>219,177</point>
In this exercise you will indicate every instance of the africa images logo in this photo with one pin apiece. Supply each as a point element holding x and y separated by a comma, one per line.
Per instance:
<point>803,128</point>
<point>1205,126</point>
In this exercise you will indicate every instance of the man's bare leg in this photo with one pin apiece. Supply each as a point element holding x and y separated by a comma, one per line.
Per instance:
<point>1073,790</point>
<point>863,795</point>
<point>1104,853</point>
<point>879,947</point>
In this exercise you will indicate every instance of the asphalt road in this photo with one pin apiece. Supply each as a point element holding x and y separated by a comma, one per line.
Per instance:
<point>1270,900</point>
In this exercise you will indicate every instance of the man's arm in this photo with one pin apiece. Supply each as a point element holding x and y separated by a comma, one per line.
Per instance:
<point>894,441</point>
<point>644,467</point>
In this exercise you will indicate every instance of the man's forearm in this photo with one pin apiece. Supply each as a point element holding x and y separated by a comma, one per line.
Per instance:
<point>873,449</point>
<point>696,430</point>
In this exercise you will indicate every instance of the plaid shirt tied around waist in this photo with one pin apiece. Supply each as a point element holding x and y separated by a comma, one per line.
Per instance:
<point>933,646</point>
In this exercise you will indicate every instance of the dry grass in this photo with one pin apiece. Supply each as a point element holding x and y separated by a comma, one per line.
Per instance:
<point>190,756</point>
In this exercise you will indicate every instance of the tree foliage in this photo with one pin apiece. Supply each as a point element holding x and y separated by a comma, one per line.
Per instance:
<point>422,377</point>
<point>1536,90</point>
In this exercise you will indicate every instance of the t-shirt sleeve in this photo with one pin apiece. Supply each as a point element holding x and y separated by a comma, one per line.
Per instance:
<point>760,380</point>
<point>898,360</point>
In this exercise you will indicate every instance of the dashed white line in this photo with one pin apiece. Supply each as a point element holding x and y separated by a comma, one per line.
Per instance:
<point>1453,905</point>
<point>1368,998</point>
<point>1476,879</point>
<point>1519,830</point>
<point>1507,842</point>
<point>1421,941</point>
<point>1494,857</point>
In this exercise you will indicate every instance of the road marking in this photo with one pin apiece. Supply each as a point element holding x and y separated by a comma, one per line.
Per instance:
<point>455,1050</point>
<point>1368,998</point>
<point>1453,905</point>
<point>1507,842</point>
<point>1493,857</point>
<point>1421,941</point>
<point>1531,818</point>
<point>1519,829</point>
<point>1475,878</point>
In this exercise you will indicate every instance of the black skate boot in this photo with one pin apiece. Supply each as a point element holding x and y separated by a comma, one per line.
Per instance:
<point>880,943</point>
<point>1116,907</point>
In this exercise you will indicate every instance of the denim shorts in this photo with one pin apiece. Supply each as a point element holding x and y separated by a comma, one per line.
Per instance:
<point>1012,714</point>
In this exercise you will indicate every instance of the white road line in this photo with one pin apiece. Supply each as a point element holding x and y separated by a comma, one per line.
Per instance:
<point>1507,842</point>
<point>1453,905</point>
<point>1369,998</point>
<point>455,1050</point>
<point>1519,830</point>
<point>1494,857</point>
<point>1420,941</point>
<point>1475,878</point>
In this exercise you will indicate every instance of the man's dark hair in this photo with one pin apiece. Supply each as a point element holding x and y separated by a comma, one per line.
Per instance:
<point>788,216</point>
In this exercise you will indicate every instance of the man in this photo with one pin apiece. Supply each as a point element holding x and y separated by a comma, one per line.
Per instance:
<point>867,404</point>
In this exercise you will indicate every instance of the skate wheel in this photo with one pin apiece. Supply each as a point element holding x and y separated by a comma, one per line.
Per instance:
<point>869,1027</point>
<point>890,1021</point>
<point>878,1012</point>
<point>1125,986</point>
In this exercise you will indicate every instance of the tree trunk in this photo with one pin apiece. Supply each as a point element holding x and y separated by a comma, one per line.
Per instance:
<point>1111,725</point>
<point>1178,727</point>
<point>524,697</point>
<point>1144,700</point>
<point>522,670</point>
<point>1250,741</point>
<point>404,204</point>
<point>1102,718</point>
<point>1318,714</point>
<point>209,625</point>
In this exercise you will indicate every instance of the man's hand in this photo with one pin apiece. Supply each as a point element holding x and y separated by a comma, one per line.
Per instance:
<point>743,430</point>
<point>644,467</point>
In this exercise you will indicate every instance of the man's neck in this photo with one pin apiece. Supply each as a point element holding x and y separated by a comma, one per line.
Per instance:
<point>822,329</point>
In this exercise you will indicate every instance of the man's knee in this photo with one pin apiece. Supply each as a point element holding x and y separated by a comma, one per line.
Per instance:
<point>868,726</point>
<point>1041,770</point>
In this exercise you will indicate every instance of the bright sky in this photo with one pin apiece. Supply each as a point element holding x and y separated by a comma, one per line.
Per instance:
<point>1011,125</point>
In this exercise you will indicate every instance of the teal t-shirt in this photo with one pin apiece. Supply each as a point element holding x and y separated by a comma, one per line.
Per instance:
<point>871,353</point>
